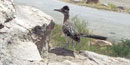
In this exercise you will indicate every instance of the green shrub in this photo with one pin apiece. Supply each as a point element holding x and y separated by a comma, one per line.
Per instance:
<point>122,49</point>
<point>112,6</point>
<point>56,37</point>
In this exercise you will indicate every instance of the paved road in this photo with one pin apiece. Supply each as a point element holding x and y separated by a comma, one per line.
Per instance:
<point>111,24</point>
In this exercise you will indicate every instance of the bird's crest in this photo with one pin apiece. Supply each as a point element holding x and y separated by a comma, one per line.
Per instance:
<point>65,7</point>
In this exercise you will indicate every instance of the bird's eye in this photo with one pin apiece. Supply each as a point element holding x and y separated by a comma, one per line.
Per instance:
<point>65,11</point>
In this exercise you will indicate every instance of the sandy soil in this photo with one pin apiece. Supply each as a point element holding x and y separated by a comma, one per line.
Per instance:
<point>125,3</point>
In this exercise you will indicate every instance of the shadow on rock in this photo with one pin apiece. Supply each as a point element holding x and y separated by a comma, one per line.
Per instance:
<point>62,51</point>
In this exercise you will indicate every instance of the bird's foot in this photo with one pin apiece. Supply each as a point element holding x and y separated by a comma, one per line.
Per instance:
<point>76,53</point>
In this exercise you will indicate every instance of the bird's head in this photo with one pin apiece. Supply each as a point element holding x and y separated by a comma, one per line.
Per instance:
<point>64,10</point>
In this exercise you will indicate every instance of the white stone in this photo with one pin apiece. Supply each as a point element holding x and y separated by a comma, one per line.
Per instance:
<point>16,45</point>
<point>25,50</point>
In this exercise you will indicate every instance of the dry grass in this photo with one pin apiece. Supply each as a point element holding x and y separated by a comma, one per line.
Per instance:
<point>109,7</point>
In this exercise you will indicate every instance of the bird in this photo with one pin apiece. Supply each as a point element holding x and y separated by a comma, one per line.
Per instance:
<point>70,30</point>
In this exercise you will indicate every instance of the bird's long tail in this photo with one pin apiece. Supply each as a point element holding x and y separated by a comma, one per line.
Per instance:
<point>94,36</point>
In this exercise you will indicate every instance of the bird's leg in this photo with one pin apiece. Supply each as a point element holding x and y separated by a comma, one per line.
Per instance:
<point>74,50</point>
<point>67,42</point>
<point>73,45</point>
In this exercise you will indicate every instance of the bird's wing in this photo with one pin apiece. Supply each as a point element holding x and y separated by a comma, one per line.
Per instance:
<point>70,29</point>
<point>71,32</point>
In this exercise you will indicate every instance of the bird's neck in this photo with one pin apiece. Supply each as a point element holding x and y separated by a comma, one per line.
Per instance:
<point>66,18</point>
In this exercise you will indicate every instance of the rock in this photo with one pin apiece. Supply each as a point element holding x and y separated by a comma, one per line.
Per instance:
<point>63,51</point>
<point>7,10</point>
<point>98,59</point>
<point>1,26</point>
<point>101,43</point>
<point>66,62</point>
<point>105,4</point>
<point>92,1</point>
<point>86,58</point>
<point>121,7</point>
<point>20,44</point>
<point>77,0</point>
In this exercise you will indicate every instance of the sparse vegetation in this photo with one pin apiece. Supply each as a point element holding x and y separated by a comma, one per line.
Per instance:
<point>110,7</point>
<point>121,49</point>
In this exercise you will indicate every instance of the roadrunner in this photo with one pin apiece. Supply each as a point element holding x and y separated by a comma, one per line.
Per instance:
<point>70,31</point>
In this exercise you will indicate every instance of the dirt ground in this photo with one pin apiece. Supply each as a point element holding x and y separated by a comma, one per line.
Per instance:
<point>125,3</point>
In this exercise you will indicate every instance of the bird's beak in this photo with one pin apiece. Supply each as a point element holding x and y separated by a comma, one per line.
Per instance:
<point>59,10</point>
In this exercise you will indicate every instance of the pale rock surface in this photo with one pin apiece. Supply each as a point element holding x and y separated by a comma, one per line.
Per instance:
<point>98,59</point>
<point>7,10</point>
<point>83,58</point>
<point>18,38</point>
<point>86,58</point>
<point>101,43</point>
